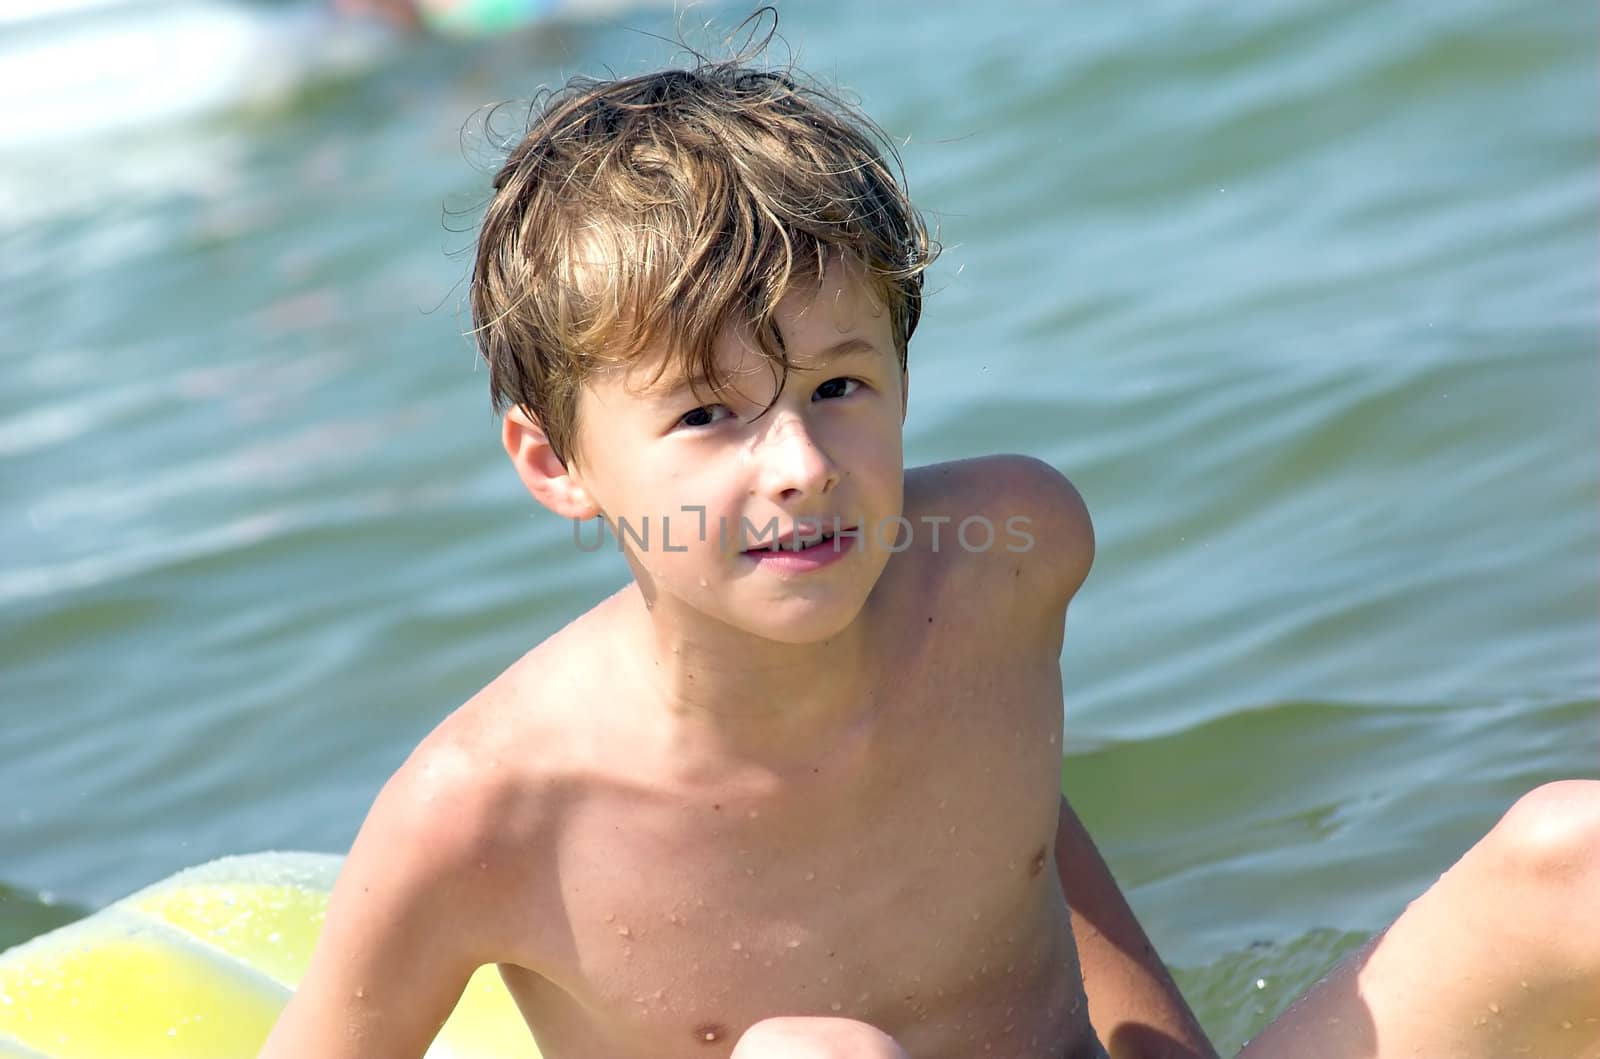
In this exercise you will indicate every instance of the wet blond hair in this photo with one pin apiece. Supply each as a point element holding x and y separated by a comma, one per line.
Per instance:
<point>668,207</point>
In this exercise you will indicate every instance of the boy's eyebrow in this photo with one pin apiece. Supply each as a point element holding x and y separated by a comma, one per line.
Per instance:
<point>849,347</point>
<point>854,346</point>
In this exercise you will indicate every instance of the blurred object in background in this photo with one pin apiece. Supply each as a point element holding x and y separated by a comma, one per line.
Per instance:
<point>72,69</point>
<point>466,18</point>
<point>402,13</point>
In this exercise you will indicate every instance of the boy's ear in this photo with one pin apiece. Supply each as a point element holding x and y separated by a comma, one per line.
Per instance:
<point>547,478</point>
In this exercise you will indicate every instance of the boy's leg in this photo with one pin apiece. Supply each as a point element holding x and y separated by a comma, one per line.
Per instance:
<point>1500,958</point>
<point>816,1038</point>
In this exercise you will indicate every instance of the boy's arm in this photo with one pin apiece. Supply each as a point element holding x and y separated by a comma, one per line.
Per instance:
<point>1134,1004</point>
<point>403,927</point>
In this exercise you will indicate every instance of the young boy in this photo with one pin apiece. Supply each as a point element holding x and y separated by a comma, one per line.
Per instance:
<point>795,790</point>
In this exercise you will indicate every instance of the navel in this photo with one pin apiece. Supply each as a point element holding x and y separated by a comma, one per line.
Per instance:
<point>710,1032</point>
<point>1036,865</point>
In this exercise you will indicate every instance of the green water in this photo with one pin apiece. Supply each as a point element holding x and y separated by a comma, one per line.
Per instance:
<point>1302,295</point>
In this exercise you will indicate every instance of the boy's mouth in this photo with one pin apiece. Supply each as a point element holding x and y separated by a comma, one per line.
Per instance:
<point>793,542</point>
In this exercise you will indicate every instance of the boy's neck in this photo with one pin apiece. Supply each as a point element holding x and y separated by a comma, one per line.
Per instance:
<point>727,692</point>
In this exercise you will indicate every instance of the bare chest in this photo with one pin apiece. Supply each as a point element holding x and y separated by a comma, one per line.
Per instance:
<point>914,889</point>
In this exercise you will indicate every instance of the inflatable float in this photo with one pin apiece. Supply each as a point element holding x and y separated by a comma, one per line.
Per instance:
<point>198,966</point>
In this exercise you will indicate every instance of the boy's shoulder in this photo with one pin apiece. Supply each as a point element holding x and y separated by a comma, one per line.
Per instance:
<point>476,805</point>
<point>1005,515</point>
<point>487,770</point>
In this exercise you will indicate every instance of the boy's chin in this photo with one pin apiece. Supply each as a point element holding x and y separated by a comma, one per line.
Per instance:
<point>794,622</point>
<point>805,630</point>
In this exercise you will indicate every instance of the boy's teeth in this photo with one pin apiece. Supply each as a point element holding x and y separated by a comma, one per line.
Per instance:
<point>794,544</point>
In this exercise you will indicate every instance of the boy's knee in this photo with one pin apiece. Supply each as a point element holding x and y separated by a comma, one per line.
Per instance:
<point>1551,836</point>
<point>816,1038</point>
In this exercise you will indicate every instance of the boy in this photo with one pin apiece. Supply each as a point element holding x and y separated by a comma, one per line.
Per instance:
<point>795,790</point>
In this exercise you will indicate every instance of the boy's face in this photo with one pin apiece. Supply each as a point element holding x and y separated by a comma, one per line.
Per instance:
<point>826,453</point>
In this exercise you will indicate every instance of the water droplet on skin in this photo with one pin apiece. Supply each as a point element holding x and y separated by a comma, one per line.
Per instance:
<point>1494,1008</point>
<point>793,943</point>
<point>836,1006</point>
<point>811,876</point>
<point>672,917</point>
<point>610,917</point>
<point>703,582</point>
<point>738,945</point>
<point>625,932</point>
<point>754,814</point>
<point>1566,1025</point>
<point>361,993</point>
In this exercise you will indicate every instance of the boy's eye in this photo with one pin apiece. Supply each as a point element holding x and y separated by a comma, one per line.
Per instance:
<point>704,416</point>
<point>836,388</point>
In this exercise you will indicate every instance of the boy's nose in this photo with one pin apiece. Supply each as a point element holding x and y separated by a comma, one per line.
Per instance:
<point>792,463</point>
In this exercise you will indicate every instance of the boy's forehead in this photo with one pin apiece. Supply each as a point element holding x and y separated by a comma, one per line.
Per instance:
<point>834,316</point>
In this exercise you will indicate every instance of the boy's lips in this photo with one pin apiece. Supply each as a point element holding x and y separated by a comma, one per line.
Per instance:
<point>796,541</point>
<point>811,554</point>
